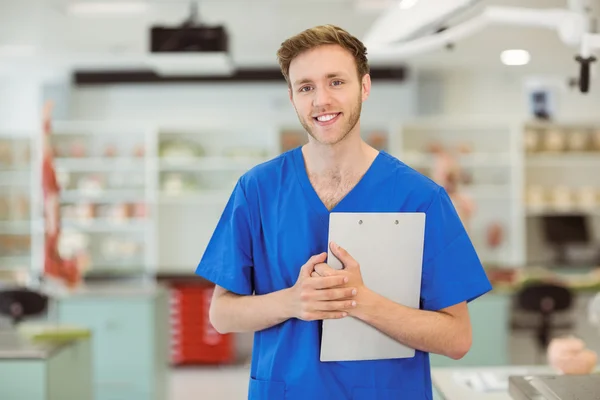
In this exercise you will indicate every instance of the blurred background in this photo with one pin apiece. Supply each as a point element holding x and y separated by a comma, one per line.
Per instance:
<point>127,123</point>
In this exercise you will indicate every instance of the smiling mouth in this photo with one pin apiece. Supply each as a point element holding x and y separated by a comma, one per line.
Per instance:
<point>326,119</point>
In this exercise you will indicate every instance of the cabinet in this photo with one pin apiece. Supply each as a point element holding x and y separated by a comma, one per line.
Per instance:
<point>44,371</point>
<point>129,339</point>
<point>490,319</point>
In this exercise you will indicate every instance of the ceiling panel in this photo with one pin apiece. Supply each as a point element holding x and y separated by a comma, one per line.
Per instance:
<point>256,27</point>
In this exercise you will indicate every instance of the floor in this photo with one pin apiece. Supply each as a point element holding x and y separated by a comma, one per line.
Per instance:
<point>228,383</point>
<point>209,383</point>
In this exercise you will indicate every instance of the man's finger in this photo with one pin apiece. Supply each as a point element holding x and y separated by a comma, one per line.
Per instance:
<point>309,267</point>
<point>325,282</point>
<point>343,256</point>
<point>324,270</point>
<point>333,315</point>
<point>320,315</point>
<point>334,294</point>
<point>338,305</point>
<point>315,274</point>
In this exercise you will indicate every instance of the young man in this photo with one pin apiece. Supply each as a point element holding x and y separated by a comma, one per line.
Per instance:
<point>267,256</point>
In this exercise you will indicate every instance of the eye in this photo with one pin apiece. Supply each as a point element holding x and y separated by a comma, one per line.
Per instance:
<point>304,89</point>
<point>337,82</point>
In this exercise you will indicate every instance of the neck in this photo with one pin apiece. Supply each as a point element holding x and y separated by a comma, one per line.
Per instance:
<point>352,156</point>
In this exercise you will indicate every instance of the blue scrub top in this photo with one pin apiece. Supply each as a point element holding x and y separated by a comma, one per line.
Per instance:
<point>274,222</point>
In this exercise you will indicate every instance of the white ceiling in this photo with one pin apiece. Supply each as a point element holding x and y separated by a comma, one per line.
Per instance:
<point>257,27</point>
<point>481,51</point>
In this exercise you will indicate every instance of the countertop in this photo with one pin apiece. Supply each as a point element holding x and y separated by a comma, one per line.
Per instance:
<point>16,346</point>
<point>110,289</point>
<point>479,383</point>
<point>578,279</point>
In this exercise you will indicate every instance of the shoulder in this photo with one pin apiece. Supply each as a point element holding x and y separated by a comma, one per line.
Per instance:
<point>410,183</point>
<point>267,175</point>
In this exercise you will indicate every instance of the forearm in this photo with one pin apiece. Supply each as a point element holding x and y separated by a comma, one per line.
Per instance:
<point>428,331</point>
<point>234,313</point>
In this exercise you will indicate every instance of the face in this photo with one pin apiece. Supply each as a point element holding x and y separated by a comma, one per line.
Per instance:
<point>327,93</point>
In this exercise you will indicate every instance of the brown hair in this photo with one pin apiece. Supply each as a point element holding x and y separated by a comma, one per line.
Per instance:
<point>317,36</point>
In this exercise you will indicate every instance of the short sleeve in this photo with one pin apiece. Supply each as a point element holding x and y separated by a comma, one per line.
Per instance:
<point>227,260</point>
<point>452,271</point>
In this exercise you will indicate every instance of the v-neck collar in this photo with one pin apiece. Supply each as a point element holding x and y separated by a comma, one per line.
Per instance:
<point>309,191</point>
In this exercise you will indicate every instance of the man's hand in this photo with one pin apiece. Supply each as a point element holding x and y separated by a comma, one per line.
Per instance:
<point>446,331</point>
<point>351,271</point>
<point>321,297</point>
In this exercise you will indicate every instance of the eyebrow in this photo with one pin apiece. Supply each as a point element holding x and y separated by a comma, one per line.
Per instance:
<point>329,76</point>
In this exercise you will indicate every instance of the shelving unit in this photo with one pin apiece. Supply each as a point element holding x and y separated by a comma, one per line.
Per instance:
<point>19,223</point>
<point>146,199</point>
<point>176,180</point>
<point>197,169</point>
<point>490,161</point>
<point>108,197</point>
<point>562,165</point>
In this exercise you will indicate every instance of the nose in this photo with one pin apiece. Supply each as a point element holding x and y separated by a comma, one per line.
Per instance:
<point>321,98</point>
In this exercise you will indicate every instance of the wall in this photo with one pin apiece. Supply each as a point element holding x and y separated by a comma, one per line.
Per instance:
<point>19,106</point>
<point>241,102</point>
<point>455,94</point>
<point>465,93</point>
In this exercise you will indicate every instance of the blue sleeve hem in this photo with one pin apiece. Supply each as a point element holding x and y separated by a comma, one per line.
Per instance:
<point>230,284</point>
<point>469,292</point>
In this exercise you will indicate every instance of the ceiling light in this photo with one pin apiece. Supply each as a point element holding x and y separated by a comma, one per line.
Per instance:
<point>515,57</point>
<point>107,7</point>
<point>406,4</point>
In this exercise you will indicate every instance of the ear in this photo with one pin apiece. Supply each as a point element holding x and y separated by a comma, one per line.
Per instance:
<point>290,94</point>
<point>366,86</point>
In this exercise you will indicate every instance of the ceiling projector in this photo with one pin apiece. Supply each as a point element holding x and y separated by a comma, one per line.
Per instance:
<point>195,39</point>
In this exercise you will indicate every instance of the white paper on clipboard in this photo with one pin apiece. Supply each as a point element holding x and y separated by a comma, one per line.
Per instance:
<point>389,249</point>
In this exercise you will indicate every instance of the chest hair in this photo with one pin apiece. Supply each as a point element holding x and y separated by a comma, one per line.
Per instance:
<point>333,187</point>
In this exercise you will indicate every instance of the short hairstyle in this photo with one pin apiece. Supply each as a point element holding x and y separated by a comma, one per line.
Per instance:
<point>317,36</point>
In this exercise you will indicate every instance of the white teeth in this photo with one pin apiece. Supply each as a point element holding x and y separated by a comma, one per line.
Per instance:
<point>325,118</point>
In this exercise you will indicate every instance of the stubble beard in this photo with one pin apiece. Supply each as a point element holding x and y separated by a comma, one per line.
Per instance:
<point>352,121</point>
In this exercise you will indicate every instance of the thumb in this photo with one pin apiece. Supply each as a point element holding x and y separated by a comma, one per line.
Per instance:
<point>343,255</point>
<point>309,266</point>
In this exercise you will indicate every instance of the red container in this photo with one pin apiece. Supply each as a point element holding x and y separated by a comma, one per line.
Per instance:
<point>194,340</point>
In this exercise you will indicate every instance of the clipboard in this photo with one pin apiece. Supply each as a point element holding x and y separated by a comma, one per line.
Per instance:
<point>389,249</point>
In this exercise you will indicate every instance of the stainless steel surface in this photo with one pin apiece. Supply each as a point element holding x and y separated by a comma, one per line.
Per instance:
<point>16,346</point>
<point>519,388</point>
<point>568,387</point>
<point>555,387</point>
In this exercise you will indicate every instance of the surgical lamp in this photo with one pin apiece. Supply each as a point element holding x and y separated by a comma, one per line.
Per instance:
<point>408,31</point>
